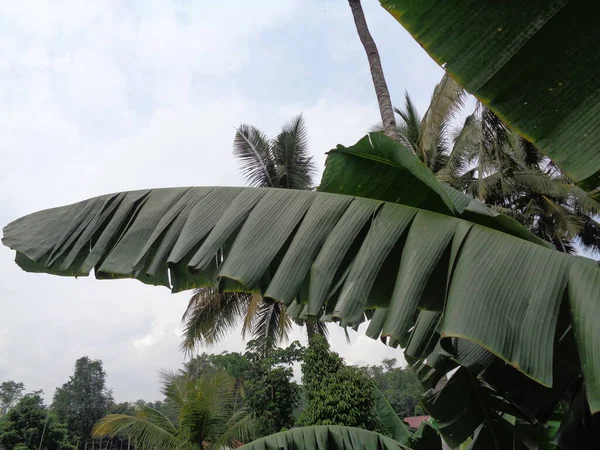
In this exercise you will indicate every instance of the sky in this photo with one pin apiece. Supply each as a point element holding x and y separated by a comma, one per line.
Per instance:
<point>106,96</point>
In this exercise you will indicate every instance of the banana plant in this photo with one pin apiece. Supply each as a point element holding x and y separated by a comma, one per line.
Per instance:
<point>431,269</point>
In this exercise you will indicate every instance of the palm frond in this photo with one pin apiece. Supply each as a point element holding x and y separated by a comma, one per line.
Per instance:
<point>494,134</point>
<point>250,316</point>
<point>589,236</point>
<point>294,167</point>
<point>253,148</point>
<point>175,388</point>
<point>241,429</point>
<point>210,315</point>
<point>148,428</point>
<point>536,181</point>
<point>376,128</point>
<point>322,328</point>
<point>568,224</point>
<point>447,100</point>
<point>465,142</point>
<point>272,325</point>
<point>585,203</point>
<point>411,123</point>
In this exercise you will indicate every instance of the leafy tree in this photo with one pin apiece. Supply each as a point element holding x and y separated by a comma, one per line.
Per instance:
<point>512,176</point>
<point>84,399</point>
<point>282,162</point>
<point>200,365</point>
<point>199,414</point>
<point>29,425</point>
<point>335,393</point>
<point>10,393</point>
<point>400,386</point>
<point>122,408</point>
<point>270,393</point>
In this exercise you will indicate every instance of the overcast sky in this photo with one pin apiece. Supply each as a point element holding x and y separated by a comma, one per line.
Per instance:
<point>97,97</point>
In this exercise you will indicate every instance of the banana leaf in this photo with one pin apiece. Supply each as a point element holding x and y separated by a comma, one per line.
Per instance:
<point>536,65</point>
<point>349,254</point>
<point>329,437</point>
<point>386,415</point>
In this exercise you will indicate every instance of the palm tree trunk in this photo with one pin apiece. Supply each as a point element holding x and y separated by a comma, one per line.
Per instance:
<point>311,330</point>
<point>381,89</point>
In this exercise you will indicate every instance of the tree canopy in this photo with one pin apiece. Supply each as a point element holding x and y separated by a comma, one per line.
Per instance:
<point>84,399</point>
<point>335,393</point>
<point>10,393</point>
<point>29,425</point>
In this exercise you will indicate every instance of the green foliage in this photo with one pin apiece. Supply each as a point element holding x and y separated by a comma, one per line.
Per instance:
<point>283,162</point>
<point>393,425</point>
<point>325,437</point>
<point>84,399</point>
<point>439,269</point>
<point>520,64</point>
<point>426,437</point>
<point>198,413</point>
<point>122,408</point>
<point>271,395</point>
<point>485,159</point>
<point>10,393</point>
<point>400,386</point>
<point>22,427</point>
<point>199,365</point>
<point>335,393</point>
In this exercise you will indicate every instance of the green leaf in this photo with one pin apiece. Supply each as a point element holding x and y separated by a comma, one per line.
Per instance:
<point>325,437</point>
<point>425,438</point>
<point>466,406</point>
<point>396,428</point>
<point>520,63</point>
<point>495,278</point>
<point>395,166</point>
<point>378,167</point>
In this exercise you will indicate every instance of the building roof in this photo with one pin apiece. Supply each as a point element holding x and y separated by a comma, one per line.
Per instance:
<point>415,421</point>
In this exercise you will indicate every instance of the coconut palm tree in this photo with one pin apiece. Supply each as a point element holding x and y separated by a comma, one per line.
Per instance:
<point>485,159</point>
<point>282,162</point>
<point>510,174</point>
<point>381,90</point>
<point>198,413</point>
<point>429,136</point>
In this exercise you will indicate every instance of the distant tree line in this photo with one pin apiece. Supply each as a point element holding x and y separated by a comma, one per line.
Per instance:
<point>263,393</point>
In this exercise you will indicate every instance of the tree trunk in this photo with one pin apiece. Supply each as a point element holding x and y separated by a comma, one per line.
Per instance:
<point>311,329</point>
<point>381,89</point>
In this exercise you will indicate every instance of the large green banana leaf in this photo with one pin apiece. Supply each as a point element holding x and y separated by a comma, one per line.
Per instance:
<point>536,64</point>
<point>331,437</point>
<point>468,407</point>
<point>374,158</point>
<point>336,253</point>
<point>395,426</point>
